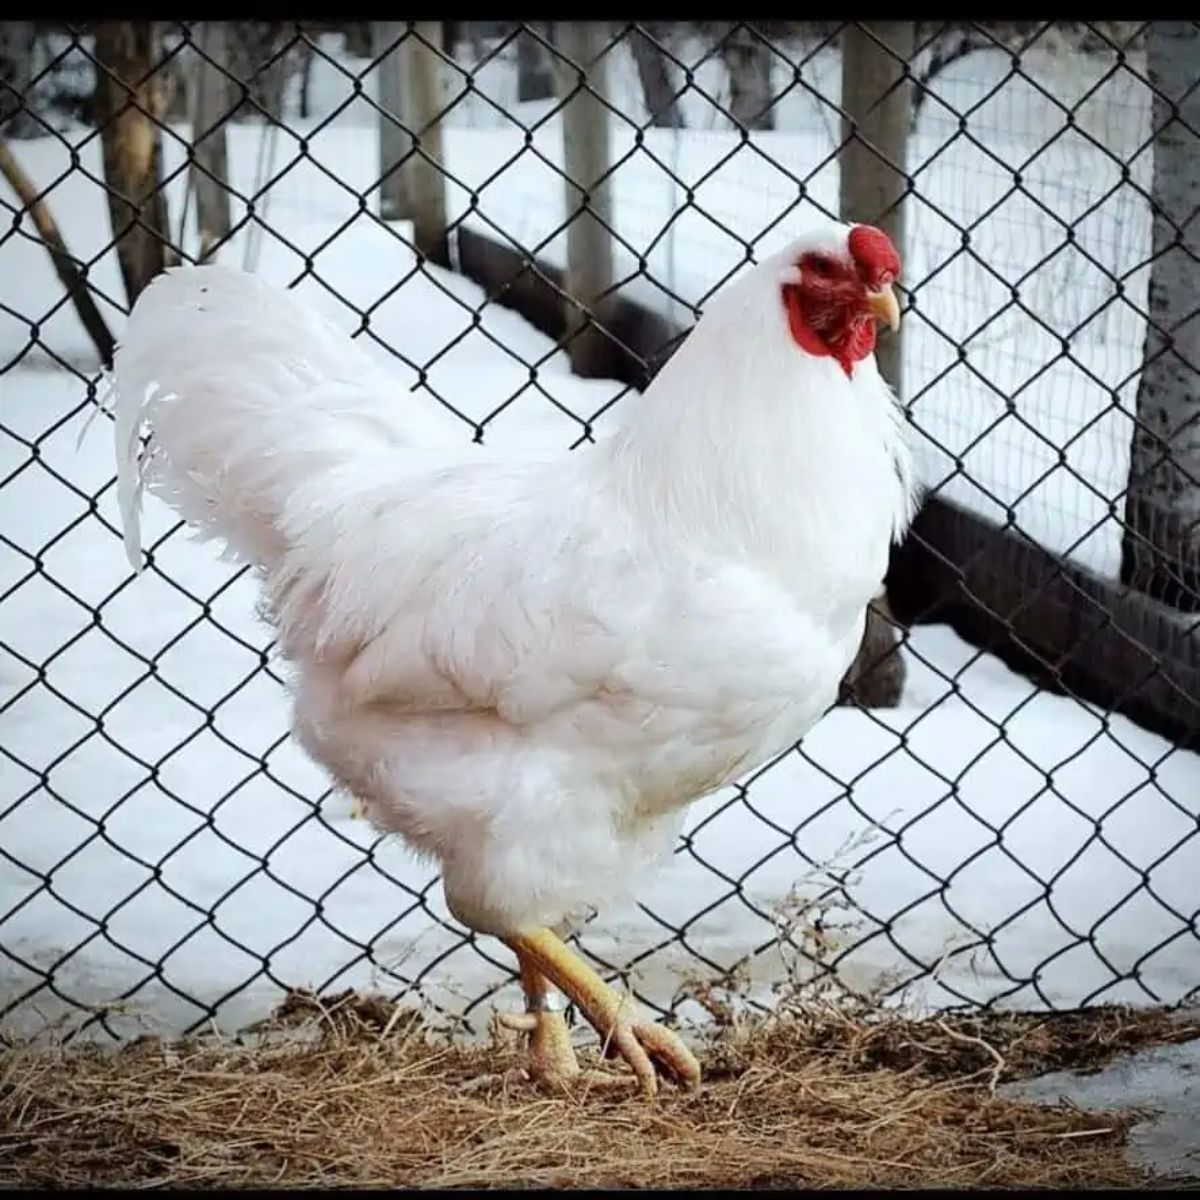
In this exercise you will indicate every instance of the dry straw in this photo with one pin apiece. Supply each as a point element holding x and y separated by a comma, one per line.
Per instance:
<point>352,1090</point>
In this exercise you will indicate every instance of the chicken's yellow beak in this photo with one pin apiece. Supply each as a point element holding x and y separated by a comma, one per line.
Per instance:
<point>884,305</point>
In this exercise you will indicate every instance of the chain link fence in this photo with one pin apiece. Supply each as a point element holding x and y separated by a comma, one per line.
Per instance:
<point>523,221</point>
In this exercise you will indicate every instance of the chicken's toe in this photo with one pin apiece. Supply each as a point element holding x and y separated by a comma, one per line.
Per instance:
<point>650,1050</point>
<point>644,1045</point>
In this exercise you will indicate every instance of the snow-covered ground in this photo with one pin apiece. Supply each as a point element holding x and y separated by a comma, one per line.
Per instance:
<point>131,819</point>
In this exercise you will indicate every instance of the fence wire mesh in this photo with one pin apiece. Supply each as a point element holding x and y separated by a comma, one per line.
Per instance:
<point>968,836</point>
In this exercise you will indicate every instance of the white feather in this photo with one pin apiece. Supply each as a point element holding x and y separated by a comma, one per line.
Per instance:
<point>528,667</point>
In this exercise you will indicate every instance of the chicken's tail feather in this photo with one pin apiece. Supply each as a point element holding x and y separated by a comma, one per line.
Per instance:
<point>245,393</point>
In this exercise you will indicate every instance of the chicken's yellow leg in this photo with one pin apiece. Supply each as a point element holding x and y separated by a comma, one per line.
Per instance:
<point>642,1044</point>
<point>552,1061</point>
<point>551,1056</point>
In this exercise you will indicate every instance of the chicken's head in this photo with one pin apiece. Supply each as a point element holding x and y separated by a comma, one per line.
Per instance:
<point>836,284</point>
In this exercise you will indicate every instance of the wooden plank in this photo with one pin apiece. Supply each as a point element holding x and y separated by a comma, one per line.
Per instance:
<point>1069,630</point>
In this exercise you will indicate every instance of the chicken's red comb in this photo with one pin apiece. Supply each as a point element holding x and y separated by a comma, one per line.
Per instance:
<point>872,250</point>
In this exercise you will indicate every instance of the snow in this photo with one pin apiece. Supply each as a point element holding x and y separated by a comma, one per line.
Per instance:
<point>160,834</point>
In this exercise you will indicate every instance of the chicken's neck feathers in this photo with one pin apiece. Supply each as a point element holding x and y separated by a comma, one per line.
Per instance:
<point>769,453</point>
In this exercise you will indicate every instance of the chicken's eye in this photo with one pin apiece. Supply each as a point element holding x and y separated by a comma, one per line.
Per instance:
<point>820,265</point>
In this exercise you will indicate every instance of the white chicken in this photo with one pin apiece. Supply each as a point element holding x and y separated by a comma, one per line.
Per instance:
<point>529,666</point>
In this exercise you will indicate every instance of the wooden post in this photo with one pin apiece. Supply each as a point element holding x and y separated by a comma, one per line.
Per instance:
<point>589,207</point>
<point>130,103</point>
<point>410,91</point>
<point>873,162</point>
<point>210,104</point>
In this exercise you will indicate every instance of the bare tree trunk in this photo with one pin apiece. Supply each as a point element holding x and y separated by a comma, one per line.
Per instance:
<point>1161,550</point>
<point>873,162</point>
<point>358,39</point>
<point>535,64</point>
<point>950,46</point>
<point>475,37</point>
<point>261,55</point>
<point>211,106</point>
<point>16,75</point>
<point>128,107</point>
<point>306,66</point>
<point>654,71</point>
<point>586,160</point>
<point>394,142</point>
<point>65,266</point>
<point>748,62</point>
<point>410,133</point>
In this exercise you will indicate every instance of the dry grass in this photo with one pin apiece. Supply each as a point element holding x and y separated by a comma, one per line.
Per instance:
<point>351,1091</point>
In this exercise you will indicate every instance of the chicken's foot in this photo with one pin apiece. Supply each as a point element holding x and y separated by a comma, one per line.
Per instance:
<point>543,958</point>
